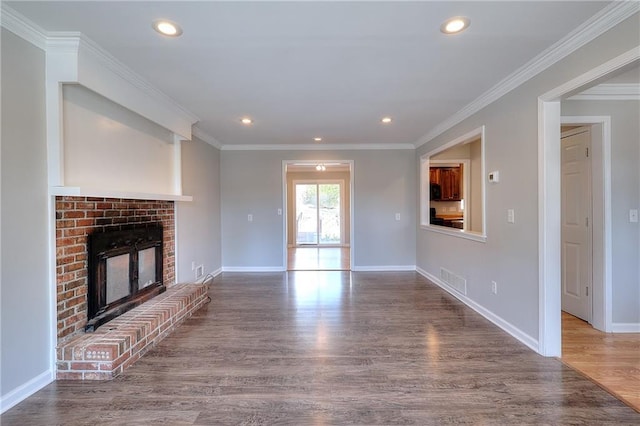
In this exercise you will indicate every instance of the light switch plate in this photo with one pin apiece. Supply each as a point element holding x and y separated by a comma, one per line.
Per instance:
<point>633,215</point>
<point>511,216</point>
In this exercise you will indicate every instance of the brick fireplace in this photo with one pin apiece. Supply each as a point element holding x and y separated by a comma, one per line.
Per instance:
<point>76,218</point>
<point>115,345</point>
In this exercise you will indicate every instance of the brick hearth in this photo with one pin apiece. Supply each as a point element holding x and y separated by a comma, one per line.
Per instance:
<point>116,345</point>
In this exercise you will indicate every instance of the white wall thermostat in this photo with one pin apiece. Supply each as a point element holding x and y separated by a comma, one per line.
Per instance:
<point>494,176</point>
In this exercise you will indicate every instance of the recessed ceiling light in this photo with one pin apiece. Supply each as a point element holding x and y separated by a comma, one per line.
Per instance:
<point>317,139</point>
<point>386,120</point>
<point>167,28</point>
<point>455,25</point>
<point>246,120</point>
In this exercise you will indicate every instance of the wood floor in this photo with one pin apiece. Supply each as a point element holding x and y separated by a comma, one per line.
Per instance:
<point>611,360</point>
<point>317,348</point>
<point>319,259</point>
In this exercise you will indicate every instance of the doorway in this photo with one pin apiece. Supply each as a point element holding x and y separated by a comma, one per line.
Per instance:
<point>577,222</point>
<point>318,215</point>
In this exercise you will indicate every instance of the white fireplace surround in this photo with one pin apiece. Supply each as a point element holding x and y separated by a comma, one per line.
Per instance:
<point>133,108</point>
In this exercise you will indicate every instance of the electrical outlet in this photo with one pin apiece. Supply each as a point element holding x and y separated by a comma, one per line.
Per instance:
<point>250,218</point>
<point>511,216</point>
<point>633,215</point>
<point>193,265</point>
<point>397,216</point>
<point>494,287</point>
<point>199,271</point>
<point>279,212</point>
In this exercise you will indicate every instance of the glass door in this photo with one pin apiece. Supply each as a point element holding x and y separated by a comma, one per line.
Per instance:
<point>329,213</point>
<point>318,213</point>
<point>306,213</point>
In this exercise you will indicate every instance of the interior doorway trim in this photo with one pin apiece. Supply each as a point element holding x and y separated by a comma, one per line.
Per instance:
<point>285,234</point>
<point>549,197</point>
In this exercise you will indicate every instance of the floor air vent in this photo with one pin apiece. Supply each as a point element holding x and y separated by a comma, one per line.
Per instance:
<point>454,281</point>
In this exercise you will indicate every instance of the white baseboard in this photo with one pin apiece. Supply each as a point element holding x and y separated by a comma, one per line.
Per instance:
<point>25,390</point>
<point>253,269</point>
<point>625,327</point>
<point>495,319</point>
<point>217,272</point>
<point>384,268</point>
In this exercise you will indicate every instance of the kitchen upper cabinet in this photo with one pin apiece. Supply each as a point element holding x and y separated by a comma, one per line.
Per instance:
<point>449,180</point>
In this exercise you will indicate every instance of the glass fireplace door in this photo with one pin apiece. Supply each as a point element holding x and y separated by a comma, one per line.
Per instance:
<point>118,284</point>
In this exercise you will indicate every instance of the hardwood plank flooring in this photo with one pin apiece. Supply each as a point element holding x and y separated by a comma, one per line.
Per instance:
<point>317,348</point>
<point>319,259</point>
<point>611,360</point>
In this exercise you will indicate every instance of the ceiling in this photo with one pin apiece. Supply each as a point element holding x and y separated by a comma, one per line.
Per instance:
<point>319,69</point>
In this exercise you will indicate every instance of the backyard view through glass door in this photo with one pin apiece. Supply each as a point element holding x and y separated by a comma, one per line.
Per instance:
<point>318,215</point>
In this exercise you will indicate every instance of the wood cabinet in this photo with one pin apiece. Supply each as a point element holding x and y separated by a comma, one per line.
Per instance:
<point>449,180</point>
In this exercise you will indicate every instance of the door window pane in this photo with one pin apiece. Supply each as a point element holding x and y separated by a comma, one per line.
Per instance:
<point>306,214</point>
<point>329,197</point>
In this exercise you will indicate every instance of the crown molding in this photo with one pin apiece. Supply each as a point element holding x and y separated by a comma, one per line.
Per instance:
<point>333,147</point>
<point>22,27</point>
<point>610,92</point>
<point>607,18</point>
<point>204,136</point>
<point>69,40</point>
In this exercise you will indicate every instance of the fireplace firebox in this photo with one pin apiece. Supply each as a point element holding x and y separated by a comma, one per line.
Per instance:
<point>125,270</point>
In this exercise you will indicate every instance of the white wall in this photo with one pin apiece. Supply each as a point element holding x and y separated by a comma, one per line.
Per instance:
<point>25,306</point>
<point>625,195</point>
<point>510,254</point>
<point>198,221</point>
<point>107,146</point>
<point>384,184</point>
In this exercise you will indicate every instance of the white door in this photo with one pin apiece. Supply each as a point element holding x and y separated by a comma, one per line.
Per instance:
<point>576,223</point>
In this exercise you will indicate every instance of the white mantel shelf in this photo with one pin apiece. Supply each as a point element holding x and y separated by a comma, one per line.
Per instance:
<point>77,191</point>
